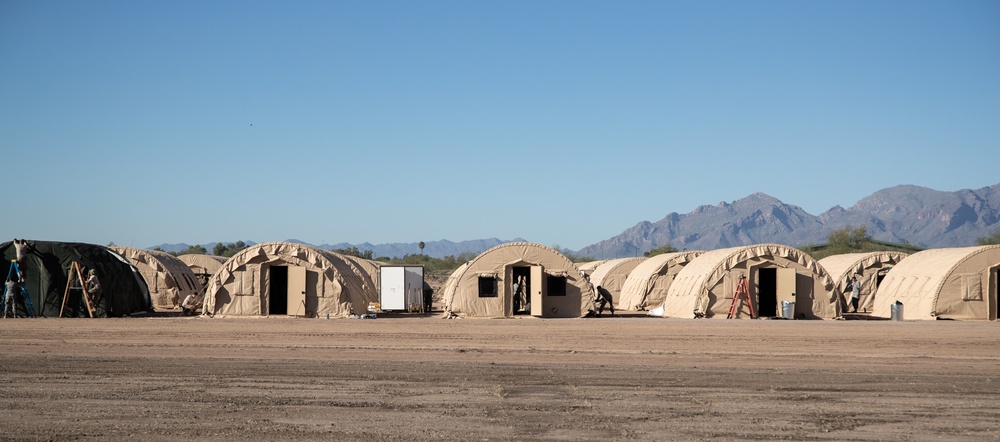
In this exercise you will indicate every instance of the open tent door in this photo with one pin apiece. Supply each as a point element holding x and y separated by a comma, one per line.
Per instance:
<point>785,290</point>
<point>537,285</point>
<point>993,298</point>
<point>296,291</point>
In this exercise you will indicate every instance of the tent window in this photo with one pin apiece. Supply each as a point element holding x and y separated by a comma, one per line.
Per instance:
<point>972,288</point>
<point>487,287</point>
<point>556,285</point>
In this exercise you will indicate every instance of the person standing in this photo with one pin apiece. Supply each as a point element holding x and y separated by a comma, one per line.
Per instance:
<point>21,248</point>
<point>855,294</point>
<point>10,291</point>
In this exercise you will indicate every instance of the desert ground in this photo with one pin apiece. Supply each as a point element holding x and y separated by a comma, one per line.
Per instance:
<point>426,378</point>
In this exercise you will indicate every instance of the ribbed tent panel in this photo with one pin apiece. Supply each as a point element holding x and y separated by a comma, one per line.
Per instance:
<point>705,287</point>
<point>950,283</point>
<point>259,281</point>
<point>484,287</point>
<point>647,284</point>
<point>612,274</point>
<point>870,268</point>
<point>169,279</point>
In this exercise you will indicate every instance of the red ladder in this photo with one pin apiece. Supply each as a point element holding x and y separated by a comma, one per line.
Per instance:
<point>741,291</point>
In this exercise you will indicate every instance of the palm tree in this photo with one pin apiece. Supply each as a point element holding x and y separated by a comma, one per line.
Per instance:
<point>421,245</point>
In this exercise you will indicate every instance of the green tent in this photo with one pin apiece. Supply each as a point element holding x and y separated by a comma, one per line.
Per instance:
<point>46,269</point>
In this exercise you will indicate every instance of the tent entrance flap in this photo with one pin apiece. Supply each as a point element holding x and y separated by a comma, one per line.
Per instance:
<point>537,291</point>
<point>296,292</point>
<point>767,292</point>
<point>277,289</point>
<point>785,288</point>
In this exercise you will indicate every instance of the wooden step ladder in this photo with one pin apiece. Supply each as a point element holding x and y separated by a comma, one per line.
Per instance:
<point>76,275</point>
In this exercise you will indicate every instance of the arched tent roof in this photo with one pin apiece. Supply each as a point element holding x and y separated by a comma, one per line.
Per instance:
<point>567,293</point>
<point>46,270</point>
<point>952,283</point>
<point>369,270</point>
<point>612,274</point>
<point>870,268</point>
<point>448,289</point>
<point>706,285</point>
<point>242,287</point>
<point>647,284</point>
<point>588,267</point>
<point>202,264</point>
<point>169,279</point>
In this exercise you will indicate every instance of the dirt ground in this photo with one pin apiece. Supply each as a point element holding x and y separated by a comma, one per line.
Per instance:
<point>426,378</point>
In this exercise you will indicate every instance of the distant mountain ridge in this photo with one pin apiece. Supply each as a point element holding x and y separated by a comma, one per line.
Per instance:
<point>435,249</point>
<point>901,214</point>
<point>906,213</point>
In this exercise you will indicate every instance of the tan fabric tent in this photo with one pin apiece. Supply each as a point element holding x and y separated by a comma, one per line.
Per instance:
<point>774,272</point>
<point>870,268</point>
<point>202,264</point>
<point>954,283</point>
<point>449,284</point>
<point>612,274</point>
<point>280,278</point>
<point>647,284</point>
<point>170,280</point>
<point>588,267</point>
<point>369,270</point>
<point>485,287</point>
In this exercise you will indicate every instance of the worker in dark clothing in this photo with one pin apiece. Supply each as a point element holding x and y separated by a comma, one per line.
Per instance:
<point>603,297</point>
<point>428,299</point>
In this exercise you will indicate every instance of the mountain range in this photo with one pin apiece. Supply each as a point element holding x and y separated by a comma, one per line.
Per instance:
<point>436,249</point>
<point>902,214</point>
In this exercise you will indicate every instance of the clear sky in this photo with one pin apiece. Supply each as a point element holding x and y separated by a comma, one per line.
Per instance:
<point>561,122</point>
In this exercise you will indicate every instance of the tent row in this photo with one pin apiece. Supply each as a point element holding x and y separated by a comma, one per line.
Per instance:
<point>524,278</point>
<point>530,279</point>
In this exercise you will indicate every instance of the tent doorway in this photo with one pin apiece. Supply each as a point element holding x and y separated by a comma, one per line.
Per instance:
<point>994,291</point>
<point>767,292</point>
<point>286,290</point>
<point>277,290</point>
<point>522,276</point>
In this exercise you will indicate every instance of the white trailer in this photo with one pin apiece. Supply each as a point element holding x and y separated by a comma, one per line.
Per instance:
<point>402,288</point>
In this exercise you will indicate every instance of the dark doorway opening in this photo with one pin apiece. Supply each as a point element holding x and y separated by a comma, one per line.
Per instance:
<point>277,290</point>
<point>767,292</point>
<point>522,277</point>
<point>878,281</point>
<point>995,296</point>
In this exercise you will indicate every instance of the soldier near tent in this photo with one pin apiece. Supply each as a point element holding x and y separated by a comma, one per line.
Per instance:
<point>124,291</point>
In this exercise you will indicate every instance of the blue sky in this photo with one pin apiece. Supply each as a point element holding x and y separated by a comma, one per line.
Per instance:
<point>561,122</point>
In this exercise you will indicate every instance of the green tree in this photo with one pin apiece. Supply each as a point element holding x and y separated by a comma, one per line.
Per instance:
<point>421,245</point>
<point>228,250</point>
<point>354,251</point>
<point>991,239</point>
<point>665,248</point>
<point>194,250</point>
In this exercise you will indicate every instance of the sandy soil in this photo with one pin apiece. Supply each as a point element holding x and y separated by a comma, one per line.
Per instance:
<point>425,378</point>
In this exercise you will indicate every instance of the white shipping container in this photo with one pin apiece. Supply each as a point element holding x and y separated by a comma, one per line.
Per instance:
<point>402,287</point>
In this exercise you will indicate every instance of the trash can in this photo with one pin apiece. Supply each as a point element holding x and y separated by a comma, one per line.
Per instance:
<point>897,311</point>
<point>788,309</point>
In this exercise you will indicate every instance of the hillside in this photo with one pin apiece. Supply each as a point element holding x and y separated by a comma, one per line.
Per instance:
<point>901,214</point>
